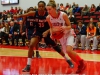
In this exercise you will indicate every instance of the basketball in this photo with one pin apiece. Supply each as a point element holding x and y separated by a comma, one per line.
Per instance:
<point>56,33</point>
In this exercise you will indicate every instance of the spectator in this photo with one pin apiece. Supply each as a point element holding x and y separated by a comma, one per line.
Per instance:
<point>14,32</point>
<point>8,18</point>
<point>80,35</point>
<point>67,6</point>
<point>72,19</point>
<point>91,35</point>
<point>98,8</point>
<point>92,9</point>
<point>76,9</point>
<point>73,6</point>
<point>4,16</point>
<point>97,39</point>
<point>85,10</point>
<point>11,10</point>
<point>1,32</point>
<point>6,33</point>
<point>69,10</point>
<point>62,7</point>
<point>22,33</point>
<point>57,6</point>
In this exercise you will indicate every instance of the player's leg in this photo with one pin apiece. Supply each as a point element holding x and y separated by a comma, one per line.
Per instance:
<point>73,55</point>
<point>36,46</point>
<point>48,40</point>
<point>37,52</point>
<point>95,43</point>
<point>83,41</point>
<point>33,42</point>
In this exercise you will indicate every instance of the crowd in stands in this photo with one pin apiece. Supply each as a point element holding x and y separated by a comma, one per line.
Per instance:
<point>84,20</point>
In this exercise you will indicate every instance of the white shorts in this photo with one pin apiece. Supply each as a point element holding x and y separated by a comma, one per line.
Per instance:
<point>68,40</point>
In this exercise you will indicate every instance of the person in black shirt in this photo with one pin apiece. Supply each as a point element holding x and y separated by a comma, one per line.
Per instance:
<point>42,31</point>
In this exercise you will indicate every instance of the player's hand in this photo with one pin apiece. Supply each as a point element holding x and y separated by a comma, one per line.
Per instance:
<point>63,28</point>
<point>45,34</point>
<point>51,37</point>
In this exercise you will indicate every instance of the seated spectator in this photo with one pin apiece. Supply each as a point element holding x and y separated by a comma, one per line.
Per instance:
<point>73,6</point>
<point>4,16</point>
<point>72,19</point>
<point>97,39</point>
<point>91,35</point>
<point>57,6</point>
<point>14,32</point>
<point>80,35</point>
<point>15,10</point>
<point>62,7</point>
<point>1,32</point>
<point>67,6</point>
<point>92,9</point>
<point>8,18</point>
<point>98,8</point>
<point>76,9</point>
<point>22,30</point>
<point>11,10</point>
<point>85,10</point>
<point>6,33</point>
<point>69,10</point>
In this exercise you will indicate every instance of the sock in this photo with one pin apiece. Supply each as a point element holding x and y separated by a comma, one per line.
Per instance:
<point>78,59</point>
<point>29,61</point>
<point>74,58</point>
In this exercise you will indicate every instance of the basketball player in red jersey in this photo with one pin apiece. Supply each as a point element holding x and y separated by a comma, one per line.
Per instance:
<point>58,18</point>
<point>42,31</point>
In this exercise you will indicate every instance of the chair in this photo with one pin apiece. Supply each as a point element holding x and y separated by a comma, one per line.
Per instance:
<point>85,18</point>
<point>79,21</point>
<point>77,14</point>
<point>98,17</point>
<point>97,13</point>
<point>78,17</point>
<point>86,22</point>
<point>95,21</point>
<point>94,17</point>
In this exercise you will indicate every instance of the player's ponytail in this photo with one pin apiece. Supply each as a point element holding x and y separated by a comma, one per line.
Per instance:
<point>52,3</point>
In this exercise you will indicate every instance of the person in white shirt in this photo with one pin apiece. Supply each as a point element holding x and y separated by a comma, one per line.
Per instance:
<point>58,18</point>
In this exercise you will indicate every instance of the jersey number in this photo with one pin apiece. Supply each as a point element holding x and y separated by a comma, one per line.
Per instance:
<point>41,25</point>
<point>31,23</point>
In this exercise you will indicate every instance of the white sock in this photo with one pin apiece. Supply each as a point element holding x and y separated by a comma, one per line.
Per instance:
<point>29,61</point>
<point>66,57</point>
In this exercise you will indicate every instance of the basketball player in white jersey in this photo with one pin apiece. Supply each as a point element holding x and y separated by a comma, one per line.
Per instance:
<point>58,18</point>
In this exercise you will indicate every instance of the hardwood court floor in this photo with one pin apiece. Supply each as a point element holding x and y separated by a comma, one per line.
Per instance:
<point>13,59</point>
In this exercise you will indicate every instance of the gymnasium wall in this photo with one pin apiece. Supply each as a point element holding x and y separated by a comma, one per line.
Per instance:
<point>27,3</point>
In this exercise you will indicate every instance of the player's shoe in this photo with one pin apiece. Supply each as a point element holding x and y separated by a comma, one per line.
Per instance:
<point>38,55</point>
<point>81,67</point>
<point>70,63</point>
<point>26,69</point>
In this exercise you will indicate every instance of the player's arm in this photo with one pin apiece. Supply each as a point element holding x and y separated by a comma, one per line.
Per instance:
<point>31,13</point>
<point>67,22</point>
<point>48,20</point>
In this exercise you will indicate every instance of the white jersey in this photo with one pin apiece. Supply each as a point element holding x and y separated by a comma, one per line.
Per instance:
<point>57,21</point>
<point>60,22</point>
<point>68,37</point>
